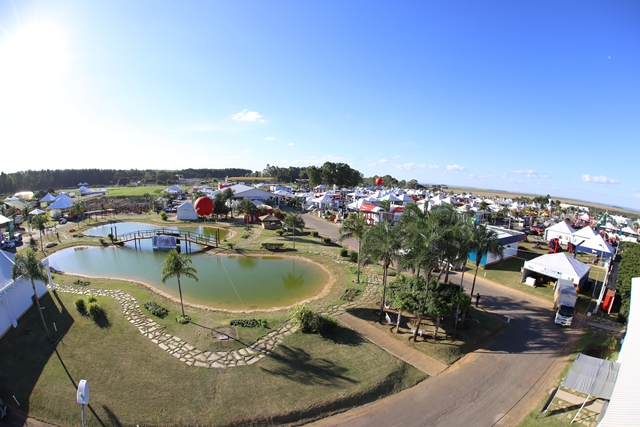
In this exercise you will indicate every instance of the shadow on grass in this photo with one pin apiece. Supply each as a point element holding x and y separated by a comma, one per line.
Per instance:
<point>299,366</point>
<point>26,350</point>
<point>344,336</point>
<point>102,321</point>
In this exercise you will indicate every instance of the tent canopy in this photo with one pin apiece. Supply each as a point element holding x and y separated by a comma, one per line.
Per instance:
<point>597,246</point>
<point>592,376</point>
<point>559,266</point>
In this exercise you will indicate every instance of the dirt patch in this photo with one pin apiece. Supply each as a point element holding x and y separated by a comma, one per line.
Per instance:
<point>221,333</point>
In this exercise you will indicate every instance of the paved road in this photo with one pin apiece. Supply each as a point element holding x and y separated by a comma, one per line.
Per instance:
<point>496,385</point>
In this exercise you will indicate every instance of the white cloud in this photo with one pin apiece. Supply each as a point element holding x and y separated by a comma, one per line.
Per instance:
<point>383,161</point>
<point>249,116</point>
<point>397,156</point>
<point>247,150</point>
<point>434,167</point>
<point>406,166</point>
<point>598,179</point>
<point>456,168</point>
<point>200,128</point>
<point>291,144</point>
<point>530,173</point>
<point>269,138</point>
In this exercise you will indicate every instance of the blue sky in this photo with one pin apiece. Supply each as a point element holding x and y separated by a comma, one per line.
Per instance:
<point>539,97</point>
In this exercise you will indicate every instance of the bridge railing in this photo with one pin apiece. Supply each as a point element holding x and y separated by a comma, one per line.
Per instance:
<point>198,238</point>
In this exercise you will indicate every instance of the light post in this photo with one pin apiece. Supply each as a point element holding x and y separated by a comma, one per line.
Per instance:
<point>83,396</point>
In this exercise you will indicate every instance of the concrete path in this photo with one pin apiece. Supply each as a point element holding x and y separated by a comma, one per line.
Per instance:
<point>419,360</point>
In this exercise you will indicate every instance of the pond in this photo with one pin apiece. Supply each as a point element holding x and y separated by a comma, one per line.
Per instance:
<point>230,282</point>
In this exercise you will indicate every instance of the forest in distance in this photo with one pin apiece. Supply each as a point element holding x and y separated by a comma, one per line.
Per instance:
<point>339,174</point>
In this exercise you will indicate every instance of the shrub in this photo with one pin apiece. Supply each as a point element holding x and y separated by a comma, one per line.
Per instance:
<point>280,232</point>
<point>163,215</point>
<point>245,236</point>
<point>230,245</point>
<point>311,322</point>
<point>80,305</point>
<point>315,234</point>
<point>344,252</point>
<point>32,242</point>
<point>350,294</point>
<point>92,299</point>
<point>326,240</point>
<point>353,256</point>
<point>249,323</point>
<point>183,319</point>
<point>95,310</point>
<point>156,309</point>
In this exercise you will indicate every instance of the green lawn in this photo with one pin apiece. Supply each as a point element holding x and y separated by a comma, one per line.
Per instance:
<point>135,191</point>
<point>132,381</point>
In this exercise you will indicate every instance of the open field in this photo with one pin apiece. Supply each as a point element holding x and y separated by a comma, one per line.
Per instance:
<point>506,194</point>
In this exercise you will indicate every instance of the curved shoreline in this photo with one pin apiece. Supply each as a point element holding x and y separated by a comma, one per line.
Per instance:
<point>323,292</point>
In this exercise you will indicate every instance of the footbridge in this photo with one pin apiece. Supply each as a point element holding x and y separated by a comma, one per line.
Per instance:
<point>208,242</point>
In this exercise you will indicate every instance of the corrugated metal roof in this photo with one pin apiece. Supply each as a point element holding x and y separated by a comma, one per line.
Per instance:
<point>623,408</point>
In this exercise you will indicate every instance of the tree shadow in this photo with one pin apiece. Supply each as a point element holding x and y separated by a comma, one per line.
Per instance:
<point>344,336</point>
<point>299,366</point>
<point>102,321</point>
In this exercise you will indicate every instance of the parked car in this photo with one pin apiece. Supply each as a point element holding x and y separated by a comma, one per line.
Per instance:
<point>537,230</point>
<point>7,244</point>
<point>63,220</point>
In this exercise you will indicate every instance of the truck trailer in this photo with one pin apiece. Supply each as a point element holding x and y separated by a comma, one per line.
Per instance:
<point>564,301</point>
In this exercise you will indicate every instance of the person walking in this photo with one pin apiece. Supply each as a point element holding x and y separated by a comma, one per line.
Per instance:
<point>477,298</point>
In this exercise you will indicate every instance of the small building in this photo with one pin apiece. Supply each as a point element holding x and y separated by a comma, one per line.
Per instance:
<point>186,212</point>
<point>509,239</point>
<point>270,222</point>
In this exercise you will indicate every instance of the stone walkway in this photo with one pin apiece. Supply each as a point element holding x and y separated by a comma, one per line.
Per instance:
<point>180,349</point>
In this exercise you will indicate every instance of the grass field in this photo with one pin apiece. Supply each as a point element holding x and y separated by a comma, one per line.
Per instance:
<point>135,191</point>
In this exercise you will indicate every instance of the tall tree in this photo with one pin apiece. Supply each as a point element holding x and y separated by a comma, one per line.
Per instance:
<point>25,264</point>
<point>381,244</point>
<point>39,222</point>
<point>355,225</point>
<point>406,295</point>
<point>247,207</point>
<point>293,220</point>
<point>483,241</point>
<point>176,265</point>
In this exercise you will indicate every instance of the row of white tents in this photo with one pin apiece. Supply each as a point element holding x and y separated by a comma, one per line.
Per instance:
<point>585,240</point>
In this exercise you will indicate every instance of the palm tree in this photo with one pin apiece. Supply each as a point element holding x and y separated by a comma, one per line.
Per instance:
<point>40,223</point>
<point>381,244</point>
<point>293,220</point>
<point>247,207</point>
<point>28,266</point>
<point>355,225</point>
<point>175,265</point>
<point>483,241</point>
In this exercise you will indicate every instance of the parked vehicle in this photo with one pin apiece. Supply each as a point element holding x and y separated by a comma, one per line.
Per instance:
<point>564,302</point>
<point>63,220</point>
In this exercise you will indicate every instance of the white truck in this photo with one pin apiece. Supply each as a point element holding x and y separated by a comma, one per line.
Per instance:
<point>564,301</point>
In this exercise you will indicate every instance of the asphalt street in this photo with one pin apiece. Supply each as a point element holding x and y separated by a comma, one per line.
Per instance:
<point>497,384</point>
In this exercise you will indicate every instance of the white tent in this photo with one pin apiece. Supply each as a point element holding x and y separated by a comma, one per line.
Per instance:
<point>63,202</point>
<point>48,198</point>
<point>562,231</point>
<point>597,246</point>
<point>15,296</point>
<point>37,211</point>
<point>584,233</point>
<point>186,212</point>
<point>557,266</point>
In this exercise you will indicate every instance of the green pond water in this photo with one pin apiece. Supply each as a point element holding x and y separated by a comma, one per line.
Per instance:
<point>234,282</point>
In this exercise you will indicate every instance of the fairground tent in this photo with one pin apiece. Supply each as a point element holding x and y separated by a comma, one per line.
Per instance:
<point>63,202</point>
<point>557,266</point>
<point>597,246</point>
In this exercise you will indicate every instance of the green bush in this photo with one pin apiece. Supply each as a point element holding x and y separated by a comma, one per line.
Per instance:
<point>353,256</point>
<point>183,319</point>
<point>326,240</point>
<point>344,252</point>
<point>95,310</point>
<point>92,299</point>
<point>163,215</point>
<point>311,322</point>
<point>280,232</point>
<point>156,309</point>
<point>80,305</point>
<point>314,234</point>
<point>249,323</point>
